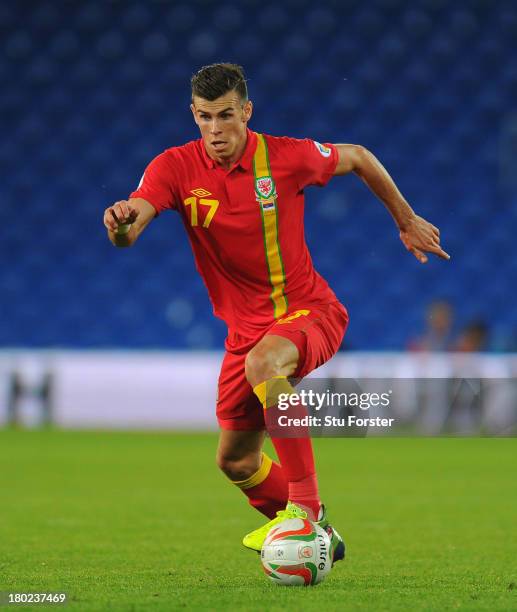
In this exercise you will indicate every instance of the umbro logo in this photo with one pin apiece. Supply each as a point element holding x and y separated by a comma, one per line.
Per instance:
<point>200,192</point>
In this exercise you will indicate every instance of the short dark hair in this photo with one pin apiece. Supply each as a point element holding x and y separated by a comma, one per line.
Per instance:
<point>212,82</point>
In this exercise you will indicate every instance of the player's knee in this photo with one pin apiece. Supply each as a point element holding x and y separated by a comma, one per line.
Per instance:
<point>238,469</point>
<point>261,364</point>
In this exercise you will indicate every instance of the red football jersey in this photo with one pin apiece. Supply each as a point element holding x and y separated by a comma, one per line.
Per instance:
<point>245,225</point>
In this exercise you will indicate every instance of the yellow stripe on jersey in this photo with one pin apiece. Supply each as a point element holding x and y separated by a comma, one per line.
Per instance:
<point>267,199</point>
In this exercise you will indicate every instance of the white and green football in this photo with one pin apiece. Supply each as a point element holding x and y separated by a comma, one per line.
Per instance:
<point>296,552</point>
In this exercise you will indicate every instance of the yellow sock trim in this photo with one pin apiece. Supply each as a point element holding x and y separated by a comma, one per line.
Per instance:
<point>259,476</point>
<point>260,391</point>
<point>269,390</point>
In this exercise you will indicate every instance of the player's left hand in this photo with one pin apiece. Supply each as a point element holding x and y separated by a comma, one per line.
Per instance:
<point>420,236</point>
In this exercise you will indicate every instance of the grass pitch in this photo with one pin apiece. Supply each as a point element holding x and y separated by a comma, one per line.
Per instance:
<point>130,521</point>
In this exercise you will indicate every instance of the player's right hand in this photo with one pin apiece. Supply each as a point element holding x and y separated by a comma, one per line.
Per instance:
<point>120,213</point>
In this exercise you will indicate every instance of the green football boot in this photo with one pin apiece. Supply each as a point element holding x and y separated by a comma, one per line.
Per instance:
<point>255,539</point>
<point>336,541</point>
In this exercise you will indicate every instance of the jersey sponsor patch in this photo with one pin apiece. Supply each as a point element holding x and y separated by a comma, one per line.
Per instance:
<point>325,151</point>
<point>268,205</point>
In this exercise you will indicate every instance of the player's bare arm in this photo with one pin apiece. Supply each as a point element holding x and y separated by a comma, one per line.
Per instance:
<point>126,220</point>
<point>418,235</point>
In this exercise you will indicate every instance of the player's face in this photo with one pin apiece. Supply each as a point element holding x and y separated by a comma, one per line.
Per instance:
<point>222,123</point>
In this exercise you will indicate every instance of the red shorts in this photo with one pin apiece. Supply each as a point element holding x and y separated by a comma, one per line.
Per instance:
<point>317,333</point>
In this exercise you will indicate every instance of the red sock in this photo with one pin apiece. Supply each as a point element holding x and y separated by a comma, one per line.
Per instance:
<point>295,453</point>
<point>297,461</point>
<point>267,489</point>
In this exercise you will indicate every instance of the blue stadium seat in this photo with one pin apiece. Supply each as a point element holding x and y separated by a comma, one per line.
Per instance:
<point>428,86</point>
